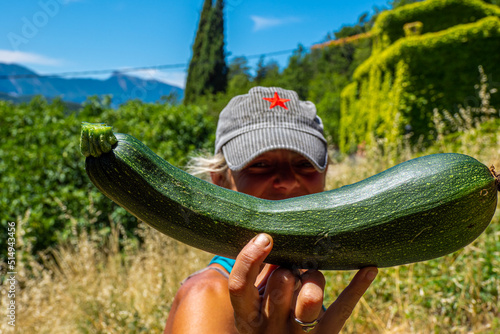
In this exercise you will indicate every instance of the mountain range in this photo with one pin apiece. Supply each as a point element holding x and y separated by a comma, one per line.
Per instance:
<point>18,83</point>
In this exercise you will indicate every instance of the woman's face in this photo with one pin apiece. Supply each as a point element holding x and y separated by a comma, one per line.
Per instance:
<point>275,175</point>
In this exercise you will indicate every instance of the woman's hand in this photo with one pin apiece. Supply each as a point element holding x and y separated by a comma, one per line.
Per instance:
<point>277,300</point>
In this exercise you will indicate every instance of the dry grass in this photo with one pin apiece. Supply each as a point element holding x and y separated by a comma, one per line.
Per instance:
<point>87,288</point>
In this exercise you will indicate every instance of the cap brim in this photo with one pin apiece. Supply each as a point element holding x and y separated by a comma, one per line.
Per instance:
<point>242,149</point>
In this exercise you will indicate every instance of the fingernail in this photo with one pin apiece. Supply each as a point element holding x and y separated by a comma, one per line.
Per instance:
<point>371,274</point>
<point>262,240</point>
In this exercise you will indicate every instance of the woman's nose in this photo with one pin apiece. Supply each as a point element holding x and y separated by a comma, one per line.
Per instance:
<point>285,179</point>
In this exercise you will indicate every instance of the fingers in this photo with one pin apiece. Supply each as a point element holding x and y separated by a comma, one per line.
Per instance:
<point>244,295</point>
<point>272,309</point>
<point>338,313</point>
<point>277,300</point>
<point>310,298</point>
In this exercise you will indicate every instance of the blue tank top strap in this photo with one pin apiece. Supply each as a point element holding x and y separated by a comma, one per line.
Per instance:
<point>225,262</point>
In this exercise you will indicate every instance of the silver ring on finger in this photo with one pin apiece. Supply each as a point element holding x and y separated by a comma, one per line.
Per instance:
<point>307,326</point>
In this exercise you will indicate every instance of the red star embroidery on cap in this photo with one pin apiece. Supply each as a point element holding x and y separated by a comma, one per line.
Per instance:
<point>276,101</point>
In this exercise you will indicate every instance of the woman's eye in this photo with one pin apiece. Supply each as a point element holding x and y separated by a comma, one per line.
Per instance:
<point>259,165</point>
<point>305,167</point>
<point>305,164</point>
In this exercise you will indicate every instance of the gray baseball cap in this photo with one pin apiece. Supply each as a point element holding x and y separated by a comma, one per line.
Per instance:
<point>269,118</point>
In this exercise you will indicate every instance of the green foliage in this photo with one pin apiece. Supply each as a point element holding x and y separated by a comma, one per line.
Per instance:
<point>267,74</point>
<point>298,72</point>
<point>42,178</point>
<point>396,91</point>
<point>239,77</point>
<point>334,69</point>
<point>325,89</point>
<point>239,66</point>
<point>435,15</point>
<point>266,71</point>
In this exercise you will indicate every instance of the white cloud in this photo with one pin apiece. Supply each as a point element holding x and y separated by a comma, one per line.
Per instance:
<point>261,22</point>
<point>175,78</point>
<point>19,57</point>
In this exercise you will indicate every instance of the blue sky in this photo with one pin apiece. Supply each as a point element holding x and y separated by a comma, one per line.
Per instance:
<point>56,36</point>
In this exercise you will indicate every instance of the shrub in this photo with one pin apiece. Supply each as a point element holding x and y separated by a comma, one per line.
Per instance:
<point>396,91</point>
<point>42,176</point>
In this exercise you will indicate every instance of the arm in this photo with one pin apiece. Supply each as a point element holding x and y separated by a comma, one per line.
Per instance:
<point>202,305</point>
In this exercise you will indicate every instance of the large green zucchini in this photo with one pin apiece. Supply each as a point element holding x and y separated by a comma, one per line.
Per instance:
<point>418,210</point>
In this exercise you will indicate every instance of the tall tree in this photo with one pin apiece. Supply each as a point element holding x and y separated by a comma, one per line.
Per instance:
<point>207,73</point>
<point>195,63</point>
<point>217,55</point>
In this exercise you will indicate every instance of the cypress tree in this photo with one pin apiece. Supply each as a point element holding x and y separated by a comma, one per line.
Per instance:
<point>207,73</point>
<point>191,89</point>
<point>219,69</point>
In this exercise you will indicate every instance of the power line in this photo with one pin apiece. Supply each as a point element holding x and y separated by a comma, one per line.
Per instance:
<point>91,72</point>
<point>277,53</point>
<point>127,70</point>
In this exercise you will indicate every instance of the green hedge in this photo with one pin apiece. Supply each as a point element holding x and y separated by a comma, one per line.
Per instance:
<point>42,174</point>
<point>396,90</point>
<point>436,15</point>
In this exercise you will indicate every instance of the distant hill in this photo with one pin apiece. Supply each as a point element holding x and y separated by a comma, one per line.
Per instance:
<point>21,83</point>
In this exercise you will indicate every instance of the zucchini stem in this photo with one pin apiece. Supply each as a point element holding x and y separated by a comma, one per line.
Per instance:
<point>96,139</point>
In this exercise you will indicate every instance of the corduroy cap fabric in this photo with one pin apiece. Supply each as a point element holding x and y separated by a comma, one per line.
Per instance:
<point>269,118</point>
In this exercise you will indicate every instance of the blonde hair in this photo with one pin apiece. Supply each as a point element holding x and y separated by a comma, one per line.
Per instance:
<point>202,165</point>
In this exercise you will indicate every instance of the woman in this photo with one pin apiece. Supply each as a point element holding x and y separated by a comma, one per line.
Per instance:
<point>269,144</point>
